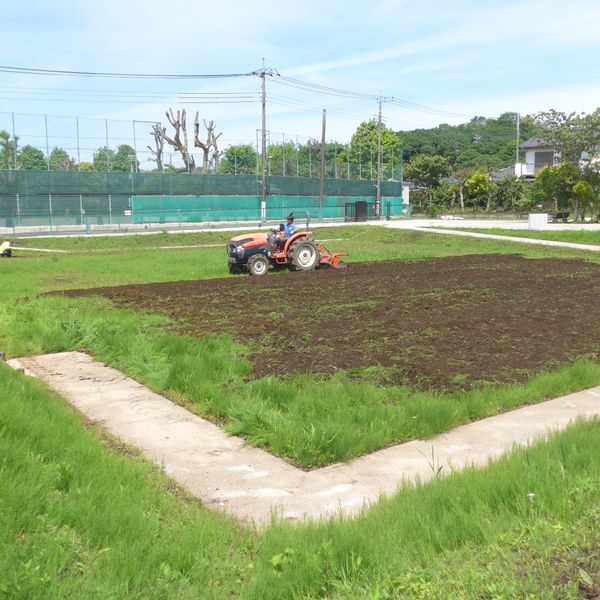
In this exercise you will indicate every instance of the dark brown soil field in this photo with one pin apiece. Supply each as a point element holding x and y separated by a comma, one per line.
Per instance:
<point>446,323</point>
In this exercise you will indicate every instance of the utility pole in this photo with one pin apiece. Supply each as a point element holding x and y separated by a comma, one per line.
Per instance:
<point>262,73</point>
<point>518,136</point>
<point>379,161</point>
<point>322,183</point>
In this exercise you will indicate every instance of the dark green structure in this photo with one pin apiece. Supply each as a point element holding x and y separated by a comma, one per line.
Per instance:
<point>38,198</point>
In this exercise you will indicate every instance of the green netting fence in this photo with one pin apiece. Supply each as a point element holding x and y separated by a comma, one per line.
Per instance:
<point>55,198</point>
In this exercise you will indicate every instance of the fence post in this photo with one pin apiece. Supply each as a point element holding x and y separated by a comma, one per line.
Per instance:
<point>110,209</point>
<point>18,211</point>
<point>50,210</point>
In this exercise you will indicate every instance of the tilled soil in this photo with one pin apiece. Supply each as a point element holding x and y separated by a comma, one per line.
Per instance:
<point>447,323</point>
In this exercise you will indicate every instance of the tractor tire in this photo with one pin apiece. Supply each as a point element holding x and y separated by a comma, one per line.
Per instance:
<point>304,255</point>
<point>236,269</point>
<point>258,264</point>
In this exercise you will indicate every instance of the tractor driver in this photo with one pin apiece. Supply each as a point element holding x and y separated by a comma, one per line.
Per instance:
<point>289,227</point>
<point>285,232</point>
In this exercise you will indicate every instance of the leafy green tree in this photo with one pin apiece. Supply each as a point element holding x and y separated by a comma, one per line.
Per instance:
<point>573,135</point>
<point>480,189</point>
<point>239,160</point>
<point>363,147</point>
<point>554,185</point>
<point>125,159</point>
<point>60,160</point>
<point>8,150</point>
<point>427,171</point>
<point>583,195</point>
<point>86,166</point>
<point>30,158</point>
<point>104,159</point>
<point>510,193</point>
<point>282,159</point>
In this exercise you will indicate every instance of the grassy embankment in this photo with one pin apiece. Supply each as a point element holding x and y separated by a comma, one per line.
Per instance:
<point>83,517</point>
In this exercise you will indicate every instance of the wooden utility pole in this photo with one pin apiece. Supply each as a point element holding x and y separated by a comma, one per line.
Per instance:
<point>322,183</point>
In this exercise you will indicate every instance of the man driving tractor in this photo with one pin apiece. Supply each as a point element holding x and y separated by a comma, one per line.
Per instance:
<point>285,231</point>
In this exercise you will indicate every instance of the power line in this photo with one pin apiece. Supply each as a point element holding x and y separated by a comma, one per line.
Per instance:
<point>31,71</point>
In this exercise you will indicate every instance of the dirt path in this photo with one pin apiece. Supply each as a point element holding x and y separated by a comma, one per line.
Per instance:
<point>254,485</point>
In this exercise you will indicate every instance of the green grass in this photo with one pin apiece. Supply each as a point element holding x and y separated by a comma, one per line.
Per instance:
<point>575,236</point>
<point>83,517</point>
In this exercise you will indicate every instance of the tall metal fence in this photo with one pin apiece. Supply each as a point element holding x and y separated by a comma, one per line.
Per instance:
<point>56,198</point>
<point>287,154</point>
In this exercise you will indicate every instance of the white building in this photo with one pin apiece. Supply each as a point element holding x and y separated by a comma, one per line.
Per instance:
<point>538,154</point>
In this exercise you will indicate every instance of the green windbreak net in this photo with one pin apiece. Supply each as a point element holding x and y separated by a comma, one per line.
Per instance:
<point>41,198</point>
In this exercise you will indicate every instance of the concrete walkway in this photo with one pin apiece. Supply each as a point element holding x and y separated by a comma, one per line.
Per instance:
<point>254,485</point>
<point>509,238</point>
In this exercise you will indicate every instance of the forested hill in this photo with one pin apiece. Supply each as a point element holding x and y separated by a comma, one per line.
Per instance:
<point>481,142</point>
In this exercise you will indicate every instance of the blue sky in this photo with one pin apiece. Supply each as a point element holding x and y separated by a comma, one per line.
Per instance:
<point>468,57</point>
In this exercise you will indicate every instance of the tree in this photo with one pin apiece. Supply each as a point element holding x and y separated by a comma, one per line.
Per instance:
<point>583,194</point>
<point>30,158</point>
<point>60,160</point>
<point>158,134</point>
<point>210,148</point>
<point>427,171</point>
<point>8,151</point>
<point>575,136</point>
<point>363,146</point>
<point>554,185</point>
<point>125,159</point>
<point>179,123</point>
<point>104,159</point>
<point>510,193</point>
<point>239,160</point>
<point>86,167</point>
<point>479,187</point>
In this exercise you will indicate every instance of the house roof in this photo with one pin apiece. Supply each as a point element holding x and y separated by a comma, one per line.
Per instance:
<point>502,173</point>
<point>535,142</point>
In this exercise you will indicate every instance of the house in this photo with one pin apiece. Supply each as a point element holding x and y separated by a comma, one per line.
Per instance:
<point>538,154</point>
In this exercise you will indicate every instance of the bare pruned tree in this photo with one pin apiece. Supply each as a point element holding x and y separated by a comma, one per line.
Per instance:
<point>210,148</point>
<point>179,124</point>
<point>158,133</point>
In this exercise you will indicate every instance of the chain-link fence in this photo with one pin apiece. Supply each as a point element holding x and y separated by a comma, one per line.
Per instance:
<point>77,143</point>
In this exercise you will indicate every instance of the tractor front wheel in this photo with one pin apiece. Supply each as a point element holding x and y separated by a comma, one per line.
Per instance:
<point>236,269</point>
<point>258,264</point>
<point>304,255</point>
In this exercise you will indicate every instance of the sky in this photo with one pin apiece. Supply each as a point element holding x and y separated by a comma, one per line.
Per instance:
<point>460,59</point>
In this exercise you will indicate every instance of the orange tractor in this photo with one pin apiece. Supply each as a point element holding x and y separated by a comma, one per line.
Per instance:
<point>254,253</point>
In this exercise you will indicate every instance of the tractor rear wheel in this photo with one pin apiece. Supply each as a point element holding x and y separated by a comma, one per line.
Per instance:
<point>304,255</point>
<point>258,264</point>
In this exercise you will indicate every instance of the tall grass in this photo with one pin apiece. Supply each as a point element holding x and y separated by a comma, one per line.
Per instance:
<point>83,517</point>
<point>80,520</point>
<point>432,541</point>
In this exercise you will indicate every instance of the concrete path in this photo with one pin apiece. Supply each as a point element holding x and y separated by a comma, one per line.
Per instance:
<point>256,486</point>
<point>509,238</point>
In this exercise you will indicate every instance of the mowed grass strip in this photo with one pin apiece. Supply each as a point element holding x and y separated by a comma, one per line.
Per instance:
<point>83,517</point>
<point>309,420</point>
